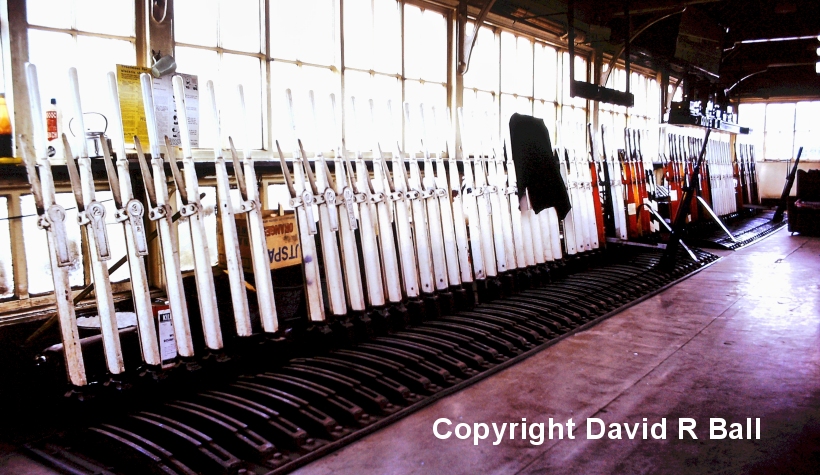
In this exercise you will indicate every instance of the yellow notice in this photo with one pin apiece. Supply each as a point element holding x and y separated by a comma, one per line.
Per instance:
<point>131,107</point>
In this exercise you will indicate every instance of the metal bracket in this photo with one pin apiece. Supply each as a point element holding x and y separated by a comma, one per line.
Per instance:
<point>54,219</point>
<point>377,197</point>
<point>349,202</point>
<point>155,214</point>
<point>330,199</point>
<point>133,213</point>
<point>94,216</point>
<point>188,210</point>
<point>307,201</point>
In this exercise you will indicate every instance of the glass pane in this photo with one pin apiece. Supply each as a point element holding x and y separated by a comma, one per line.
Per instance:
<point>387,39</point>
<point>361,132</point>
<point>808,135</point>
<point>425,44</point>
<point>186,256</point>
<point>246,70</point>
<point>301,80</point>
<point>516,64</point>
<point>116,236</point>
<point>544,110</point>
<point>195,22</point>
<point>278,195</point>
<point>753,116</point>
<point>205,65</point>
<point>97,56</point>
<point>806,116</point>
<point>431,95</point>
<point>810,141</point>
<point>484,64</point>
<point>6,274</point>
<point>780,130</point>
<point>111,17</point>
<point>53,13</point>
<point>304,30</point>
<point>546,72</point>
<point>240,27</point>
<point>358,18</point>
<point>373,35</point>
<point>38,265</point>
<point>53,54</point>
<point>477,105</point>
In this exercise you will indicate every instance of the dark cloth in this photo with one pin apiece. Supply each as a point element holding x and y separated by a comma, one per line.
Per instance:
<point>536,166</point>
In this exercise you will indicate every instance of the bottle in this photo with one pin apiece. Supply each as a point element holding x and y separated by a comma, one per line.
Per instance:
<point>6,149</point>
<point>54,125</point>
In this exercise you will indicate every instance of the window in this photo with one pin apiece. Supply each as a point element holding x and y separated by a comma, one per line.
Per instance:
<point>545,87</point>
<point>91,35</point>
<point>221,41</point>
<point>779,129</point>
<point>38,265</point>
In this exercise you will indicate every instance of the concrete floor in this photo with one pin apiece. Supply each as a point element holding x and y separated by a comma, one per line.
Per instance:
<point>740,339</point>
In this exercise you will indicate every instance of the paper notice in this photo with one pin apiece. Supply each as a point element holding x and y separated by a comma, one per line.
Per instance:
<point>133,111</point>
<point>167,342</point>
<point>131,107</point>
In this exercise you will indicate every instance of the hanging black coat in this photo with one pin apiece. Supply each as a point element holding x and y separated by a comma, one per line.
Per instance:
<point>536,165</point>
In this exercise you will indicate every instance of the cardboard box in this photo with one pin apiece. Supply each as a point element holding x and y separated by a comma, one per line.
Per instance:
<point>281,236</point>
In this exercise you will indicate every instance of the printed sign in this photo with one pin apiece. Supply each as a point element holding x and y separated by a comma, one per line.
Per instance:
<point>133,111</point>
<point>167,342</point>
<point>281,236</point>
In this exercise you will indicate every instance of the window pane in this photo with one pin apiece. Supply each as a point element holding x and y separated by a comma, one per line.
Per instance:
<point>6,274</point>
<point>195,22</point>
<point>431,95</point>
<point>373,43</point>
<point>359,132</point>
<point>38,265</point>
<point>278,195</point>
<point>387,40</point>
<point>300,80</point>
<point>754,117</point>
<point>246,70</point>
<point>53,54</point>
<point>779,130</point>
<point>112,17</point>
<point>304,30</point>
<point>96,57</point>
<point>543,110</point>
<point>186,256</point>
<point>808,135</point>
<point>425,44</point>
<point>516,64</point>
<point>358,18</point>
<point>240,27</point>
<point>477,105</point>
<point>484,64</point>
<point>546,72</point>
<point>205,65</point>
<point>53,13</point>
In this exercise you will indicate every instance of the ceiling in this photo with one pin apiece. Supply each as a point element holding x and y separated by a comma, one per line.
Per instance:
<point>760,69</point>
